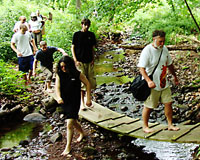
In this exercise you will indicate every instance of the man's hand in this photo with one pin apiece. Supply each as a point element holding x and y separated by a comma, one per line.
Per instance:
<point>89,103</point>
<point>19,54</point>
<point>151,84</point>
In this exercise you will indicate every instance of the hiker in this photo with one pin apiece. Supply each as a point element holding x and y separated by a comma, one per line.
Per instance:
<point>83,45</point>
<point>160,90</point>
<point>22,40</point>
<point>68,92</point>
<point>45,56</point>
<point>22,20</point>
<point>35,28</point>
<point>41,19</point>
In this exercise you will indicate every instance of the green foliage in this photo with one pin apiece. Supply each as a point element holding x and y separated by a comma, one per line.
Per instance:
<point>11,82</point>
<point>155,18</point>
<point>7,20</point>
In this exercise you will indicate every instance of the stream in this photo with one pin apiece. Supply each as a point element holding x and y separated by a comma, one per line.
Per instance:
<point>112,93</point>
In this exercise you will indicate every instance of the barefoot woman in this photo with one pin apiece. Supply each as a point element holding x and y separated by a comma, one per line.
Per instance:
<point>68,91</point>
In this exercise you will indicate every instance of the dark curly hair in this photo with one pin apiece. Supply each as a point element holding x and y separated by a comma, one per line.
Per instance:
<point>70,66</point>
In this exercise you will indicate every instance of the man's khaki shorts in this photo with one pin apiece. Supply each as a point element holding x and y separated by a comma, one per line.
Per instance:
<point>47,72</point>
<point>88,70</point>
<point>155,97</point>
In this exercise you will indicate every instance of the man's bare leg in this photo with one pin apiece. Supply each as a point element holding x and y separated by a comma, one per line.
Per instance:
<point>168,114</point>
<point>29,76</point>
<point>145,115</point>
<point>82,100</point>
<point>48,86</point>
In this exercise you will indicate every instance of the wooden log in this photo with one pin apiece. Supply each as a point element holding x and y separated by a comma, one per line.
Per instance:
<point>170,47</point>
<point>134,47</point>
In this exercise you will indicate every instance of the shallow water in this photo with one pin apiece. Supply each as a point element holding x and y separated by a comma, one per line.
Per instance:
<point>167,150</point>
<point>105,71</point>
<point>22,131</point>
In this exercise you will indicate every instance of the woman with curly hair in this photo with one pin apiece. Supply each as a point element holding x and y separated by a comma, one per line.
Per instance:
<point>68,91</point>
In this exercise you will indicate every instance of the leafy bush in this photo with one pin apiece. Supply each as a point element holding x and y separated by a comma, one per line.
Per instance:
<point>11,82</point>
<point>6,26</point>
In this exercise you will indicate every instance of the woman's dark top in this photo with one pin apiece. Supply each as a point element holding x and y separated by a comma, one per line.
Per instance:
<point>70,87</point>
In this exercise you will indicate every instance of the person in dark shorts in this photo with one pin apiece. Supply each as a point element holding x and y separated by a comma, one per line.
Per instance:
<point>45,56</point>
<point>83,50</point>
<point>22,40</point>
<point>68,92</point>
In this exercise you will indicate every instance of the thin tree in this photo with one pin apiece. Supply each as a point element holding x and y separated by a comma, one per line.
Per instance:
<point>192,15</point>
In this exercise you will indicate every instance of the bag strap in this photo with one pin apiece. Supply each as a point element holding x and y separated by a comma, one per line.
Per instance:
<point>157,63</point>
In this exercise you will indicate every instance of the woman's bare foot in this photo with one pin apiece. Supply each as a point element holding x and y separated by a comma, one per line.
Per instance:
<point>49,90</point>
<point>91,106</point>
<point>66,151</point>
<point>80,138</point>
<point>173,128</point>
<point>83,107</point>
<point>147,130</point>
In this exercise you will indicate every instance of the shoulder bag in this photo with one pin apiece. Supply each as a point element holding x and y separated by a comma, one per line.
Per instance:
<point>139,87</point>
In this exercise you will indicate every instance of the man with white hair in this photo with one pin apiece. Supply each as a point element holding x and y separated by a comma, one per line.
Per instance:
<point>160,90</point>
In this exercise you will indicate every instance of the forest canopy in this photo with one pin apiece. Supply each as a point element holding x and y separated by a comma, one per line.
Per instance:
<point>139,17</point>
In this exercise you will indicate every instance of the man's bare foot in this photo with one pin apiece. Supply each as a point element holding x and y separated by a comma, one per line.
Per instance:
<point>80,138</point>
<point>173,128</point>
<point>66,151</point>
<point>147,130</point>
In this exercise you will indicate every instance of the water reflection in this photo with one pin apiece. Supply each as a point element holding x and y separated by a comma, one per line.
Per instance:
<point>167,150</point>
<point>106,72</point>
<point>24,131</point>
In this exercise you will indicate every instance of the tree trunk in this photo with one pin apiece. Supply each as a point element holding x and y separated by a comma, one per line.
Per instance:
<point>192,15</point>
<point>78,4</point>
<point>68,3</point>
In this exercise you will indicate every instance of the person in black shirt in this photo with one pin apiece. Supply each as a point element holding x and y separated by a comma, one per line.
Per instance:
<point>45,56</point>
<point>68,93</point>
<point>83,45</point>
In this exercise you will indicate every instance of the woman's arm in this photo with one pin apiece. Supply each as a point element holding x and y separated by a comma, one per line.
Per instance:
<point>58,93</point>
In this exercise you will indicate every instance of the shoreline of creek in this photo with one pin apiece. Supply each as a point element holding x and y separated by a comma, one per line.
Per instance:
<point>102,144</point>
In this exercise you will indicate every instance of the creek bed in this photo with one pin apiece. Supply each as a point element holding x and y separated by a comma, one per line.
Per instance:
<point>113,82</point>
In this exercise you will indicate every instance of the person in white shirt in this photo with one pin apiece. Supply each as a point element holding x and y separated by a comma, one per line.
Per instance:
<point>160,90</point>
<point>35,28</point>
<point>20,43</point>
<point>42,19</point>
<point>22,20</point>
